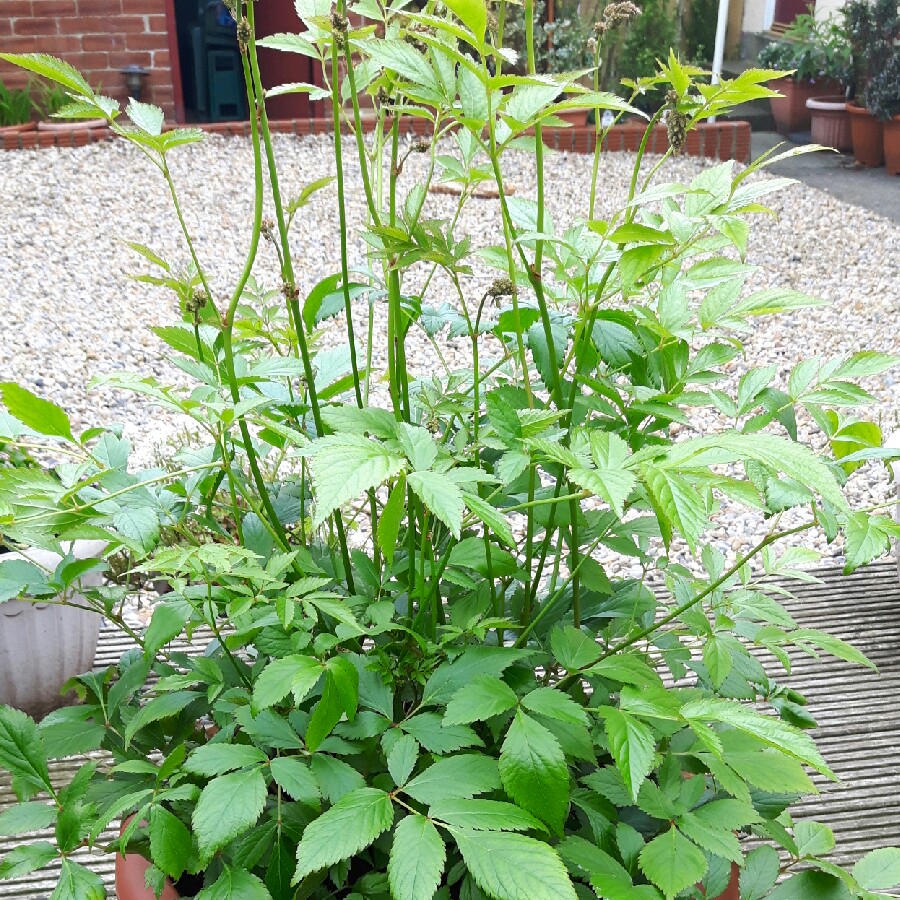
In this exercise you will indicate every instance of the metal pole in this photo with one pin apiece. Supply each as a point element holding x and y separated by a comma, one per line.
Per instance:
<point>719,51</point>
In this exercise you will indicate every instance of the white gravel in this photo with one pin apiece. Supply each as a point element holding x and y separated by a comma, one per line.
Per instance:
<point>69,312</point>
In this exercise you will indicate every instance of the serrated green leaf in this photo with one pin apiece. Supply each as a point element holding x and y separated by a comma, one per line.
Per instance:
<point>145,116</point>
<point>390,519</point>
<point>770,731</point>
<point>290,674</point>
<point>228,806</point>
<point>554,704</point>
<point>441,496</point>
<point>33,411</point>
<point>491,517</point>
<point>21,749</point>
<point>677,505</point>
<point>350,826</point>
<point>170,842</point>
<point>78,883</point>
<point>293,776</point>
<point>573,648</point>
<point>217,759</point>
<point>402,759</point>
<point>159,708</point>
<point>472,13</point>
<point>484,815</point>
<point>235,884</point>
<point>813,838</point>
<point>417,859</point>
<point>26,817</point>
<point>672,862</point>
<point>484,697</point>
<point>513,867</point>
<point>879,870</point>
<point>344,467</point>
<point>534,771</point>
<point>27,858</point>
<point>632,746</point>
<point>760,872</point>
<point>461,776</point>
<point>436,737</point>
<point>47,66</point>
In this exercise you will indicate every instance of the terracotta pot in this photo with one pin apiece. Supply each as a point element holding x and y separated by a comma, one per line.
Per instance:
<point>830,122</point>
<point>868,136</point>
<point>17,129</point>
<point>43,645</point>
<point>790,112</point>
<point>131,871</point>
<point>892,146</point>
<point>577,117</point>
<point>77,125</point>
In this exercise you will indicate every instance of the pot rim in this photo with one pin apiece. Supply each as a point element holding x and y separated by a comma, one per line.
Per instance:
<point>77,125</point>
<point>829,103</point>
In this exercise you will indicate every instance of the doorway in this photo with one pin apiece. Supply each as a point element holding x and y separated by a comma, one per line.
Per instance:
<point>212,75</point>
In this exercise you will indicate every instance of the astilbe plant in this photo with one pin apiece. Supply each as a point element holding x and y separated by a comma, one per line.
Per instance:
<point>464,703</point>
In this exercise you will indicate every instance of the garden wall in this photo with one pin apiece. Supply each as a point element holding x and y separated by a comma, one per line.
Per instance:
<point>713,140</point>
<point>98,37</point>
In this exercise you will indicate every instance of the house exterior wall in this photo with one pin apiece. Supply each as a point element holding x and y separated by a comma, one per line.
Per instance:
<point>98,37</point>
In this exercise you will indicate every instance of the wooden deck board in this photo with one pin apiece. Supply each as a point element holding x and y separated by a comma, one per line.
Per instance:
<point>858,712</point>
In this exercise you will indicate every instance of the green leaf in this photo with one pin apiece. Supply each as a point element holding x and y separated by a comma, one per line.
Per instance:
<point>290,674</point>
<point>632,746</point>
<point>811,885</point>
<point>718,841</point>
<point>346,466</point>
<point>168,622</point>
<point>573,648</point>
<point>139,525</point>
<point>534,771</point>
<point>611,486</point>
<point>436,737</point>
<point>461,776</point>
<point>170,842</point>
<point>491,517</point>
<point>326,714</point>
<point>402,759</point>
<point>390,519</point>
<point>293,776</point>
<point>760,872</point>
<point>677,505</point>
<point>770,731</point>
<point>513,866</point>
<point>159,708</point>
<point>484,815</point>
<point>18,577</point>
<point>442,496</point>
<point>472,13</point>
<point>449,677</point>
<point>879,870</point>
<point>404,60</point>
<point>27,858</point>
<point>672,862</point>
<point>813,839</point>
<point>77,883</point>
<point>335,777</point>
<point>718,660</point>
<point>554,704</point>
<point>228,806</point>
<point>350,826</point>
<point>21,750</point>
<point>50,67</point>
<point>216,759</point>
<point>147,117</point>
<point>235,884</point>
<point>25,817</point>
<point>417,859</point>
<point>41,415</point>
<point>484,697</point>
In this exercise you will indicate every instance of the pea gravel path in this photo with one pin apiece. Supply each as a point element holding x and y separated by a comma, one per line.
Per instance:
<point>69,312</point>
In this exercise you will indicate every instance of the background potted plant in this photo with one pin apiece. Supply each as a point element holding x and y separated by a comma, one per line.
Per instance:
<point>883,99</point>
<point>16,108</point>
<point>61,114</point>
<point>829,119</point>
<point>872,29</point>
<point>465,703</point>
<point>814,51</point>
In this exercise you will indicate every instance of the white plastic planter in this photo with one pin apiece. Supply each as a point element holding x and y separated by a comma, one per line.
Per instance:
<point>43,645</point>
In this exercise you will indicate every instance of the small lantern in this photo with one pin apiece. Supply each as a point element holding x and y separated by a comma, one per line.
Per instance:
<point>134,79</point>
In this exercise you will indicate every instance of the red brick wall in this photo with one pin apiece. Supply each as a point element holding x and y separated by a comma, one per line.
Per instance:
<point>98,37</point>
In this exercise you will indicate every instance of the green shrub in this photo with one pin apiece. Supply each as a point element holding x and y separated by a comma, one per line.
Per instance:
<point>15,106</point>
<point>465,703</point>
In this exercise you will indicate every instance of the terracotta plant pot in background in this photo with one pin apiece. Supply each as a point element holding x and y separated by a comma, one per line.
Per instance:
<point>17,129</point>
<point>75,125</point>
<point>830,122</point>
<point>790,112</point>
<point>131,871</point>
<point>43,645</point>
<point>892,146</point>
<point>868,136</point>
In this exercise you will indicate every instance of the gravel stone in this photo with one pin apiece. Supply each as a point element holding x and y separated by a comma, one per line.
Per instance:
<point>70,313</point>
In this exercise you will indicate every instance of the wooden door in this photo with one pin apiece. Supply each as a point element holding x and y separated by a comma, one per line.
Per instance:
<point>276,67</point>
<point>788,10</point>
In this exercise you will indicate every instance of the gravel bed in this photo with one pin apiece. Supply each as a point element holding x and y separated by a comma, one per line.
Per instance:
<point>70,313</point>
